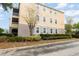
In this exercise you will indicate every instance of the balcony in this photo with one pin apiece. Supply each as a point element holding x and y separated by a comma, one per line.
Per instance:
<point>15,12</point>
<point>15,20</point>
<point>14,31</point>
<point>14,25</point>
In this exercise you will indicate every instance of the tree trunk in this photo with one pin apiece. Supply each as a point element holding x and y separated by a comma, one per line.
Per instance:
<point>31,32</point>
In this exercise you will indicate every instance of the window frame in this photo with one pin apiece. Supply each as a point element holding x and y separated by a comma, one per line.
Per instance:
<point>37,29</point>
<point>44,9</point>
<point>44,19</point>
<point>51,20</point>
<point>55,21</point>
<point>51,30</point>
<point>37,17</point>
<point>56,31</point>
<point>44,30</point>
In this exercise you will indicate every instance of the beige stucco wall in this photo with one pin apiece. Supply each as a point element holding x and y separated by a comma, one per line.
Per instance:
<point>23,29</point>
<point>59,16</point>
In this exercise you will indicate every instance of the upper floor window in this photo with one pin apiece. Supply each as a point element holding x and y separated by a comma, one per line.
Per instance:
<point>37,6</point>
<point>50,20</point>
<point>37,30</point>
<point>50,11</point>
<point>37,17</point>
<point>44,9</point>
<point>55,21</point>
<point>44,19</point>
<point>44,30</point>
<point>15,10</point>
<point>55,13</point>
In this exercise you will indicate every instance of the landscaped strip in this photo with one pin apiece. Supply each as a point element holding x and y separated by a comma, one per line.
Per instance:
<point>4,45</point>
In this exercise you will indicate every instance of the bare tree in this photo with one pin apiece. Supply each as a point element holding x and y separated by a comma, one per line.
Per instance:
<point>30,19</point>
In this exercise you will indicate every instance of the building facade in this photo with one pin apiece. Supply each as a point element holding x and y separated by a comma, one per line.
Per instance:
<point>50,21</point>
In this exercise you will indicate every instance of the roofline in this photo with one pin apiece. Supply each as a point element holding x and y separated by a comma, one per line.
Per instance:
<point>49,7</point>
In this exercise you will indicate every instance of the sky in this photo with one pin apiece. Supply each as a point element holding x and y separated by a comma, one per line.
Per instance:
<point>69,9</point>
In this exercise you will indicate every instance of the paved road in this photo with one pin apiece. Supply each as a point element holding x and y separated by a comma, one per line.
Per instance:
<point>70,48</point>
<point>73,50</point>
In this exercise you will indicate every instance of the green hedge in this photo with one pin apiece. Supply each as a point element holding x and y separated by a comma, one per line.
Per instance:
<point>16,39</point>
<point>3,39</point>
<point>55,36</point>
<point>19,39</point>
<point>5,34</point>
<point>75,35</point>
<point>33,38</point>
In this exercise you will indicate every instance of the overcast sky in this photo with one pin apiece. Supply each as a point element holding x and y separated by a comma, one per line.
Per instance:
<point>70,9</point>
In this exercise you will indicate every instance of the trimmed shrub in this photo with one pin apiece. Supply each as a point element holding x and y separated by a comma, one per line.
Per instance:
<point>33,38</point>
<point>16,39</point>
<point>3,38</point>
<point>1,30</point>
<point>23,39</point>
<point>5,34</point>
<point>55,36</point>
<point>75,35</point>
<point>19,39</point>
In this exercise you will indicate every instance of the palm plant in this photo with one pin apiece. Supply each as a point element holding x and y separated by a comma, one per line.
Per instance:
<point>5,6</point>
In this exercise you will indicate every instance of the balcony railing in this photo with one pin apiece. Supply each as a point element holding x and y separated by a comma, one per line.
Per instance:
<point>14,22</point>
<point>15,14</point>
<point>14,25</point>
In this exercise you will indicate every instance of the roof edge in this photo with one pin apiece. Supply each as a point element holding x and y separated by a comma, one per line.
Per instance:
<point>50,7</point>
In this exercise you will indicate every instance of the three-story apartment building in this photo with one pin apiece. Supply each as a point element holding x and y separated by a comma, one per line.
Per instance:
<point>50,21</point>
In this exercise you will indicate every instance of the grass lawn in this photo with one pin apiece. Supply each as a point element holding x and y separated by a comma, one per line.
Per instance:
<point>4,45</point>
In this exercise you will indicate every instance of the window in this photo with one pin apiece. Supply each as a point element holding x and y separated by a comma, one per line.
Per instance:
<point>37,30</point>
<point>44,30</point>
<point>50,30</point>
<point>55,21</point>
<point>15,20</point>
<point>37,17</point>
<point>37,6</point>
<point>15,12</point>
<point>44,19</point>
<point>44,9</point>
<point>56,31</point>
<point>55,13</point>
<point>50,20</point>
<point>50,11</point>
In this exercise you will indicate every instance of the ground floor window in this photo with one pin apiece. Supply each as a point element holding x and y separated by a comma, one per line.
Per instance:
<point>37,30</point>
<point>44,30</point>
<point>50,30</point>
<point>56,31</point>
